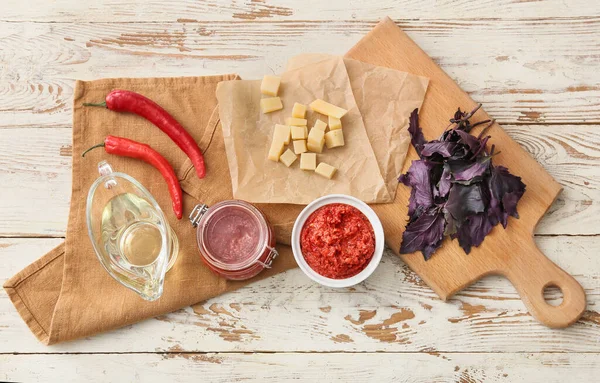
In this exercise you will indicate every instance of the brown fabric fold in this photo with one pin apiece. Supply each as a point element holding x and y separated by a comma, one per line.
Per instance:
<point>67,294</point>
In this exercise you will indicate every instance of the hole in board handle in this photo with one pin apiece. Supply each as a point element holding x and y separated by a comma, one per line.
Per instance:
<point>553,295</point>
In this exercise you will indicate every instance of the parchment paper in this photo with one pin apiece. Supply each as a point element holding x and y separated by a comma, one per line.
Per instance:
<point>386,97</point>
<point>371,159</point>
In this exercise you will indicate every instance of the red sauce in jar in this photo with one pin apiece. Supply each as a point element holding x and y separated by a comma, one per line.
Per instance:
<point>235,239</point>
<point>337,241</point>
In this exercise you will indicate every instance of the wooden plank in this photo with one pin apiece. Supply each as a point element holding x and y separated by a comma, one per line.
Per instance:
<point>144,11</point>
<point>547,74</point>
<point>35,171</point>
<point>227,368</point>
<point>393,311</point>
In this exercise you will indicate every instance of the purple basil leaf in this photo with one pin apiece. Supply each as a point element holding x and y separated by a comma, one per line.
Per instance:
<point>451,225</point>
<point>404,179</point>
<point>503,184</point>
<point>482,144</point>
<point>472,142</point>
<point>412,204</point>
<point>418,211</point>
<point>473,231</point>
<point>445,149</point>
<point>416,133</point>
<point>486,196</point>
<point>495,213</point>
<point>464,201</point>
<point>443,186</point>
<point>418,178</point>
<point>461,152</point>
<point>467,170</point>
<point>425,234</point>
<point>449,136</point>
<point>458,115</point>
<point>509,202</point>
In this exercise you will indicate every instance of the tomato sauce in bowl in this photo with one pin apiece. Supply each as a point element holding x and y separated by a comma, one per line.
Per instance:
<point>337,241</point>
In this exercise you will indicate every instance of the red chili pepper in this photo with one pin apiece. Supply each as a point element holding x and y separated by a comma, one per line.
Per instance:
<point>127,101</point>
<point>129,148</point>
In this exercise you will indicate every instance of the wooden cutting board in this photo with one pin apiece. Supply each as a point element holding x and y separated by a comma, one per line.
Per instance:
<point>511,252</point>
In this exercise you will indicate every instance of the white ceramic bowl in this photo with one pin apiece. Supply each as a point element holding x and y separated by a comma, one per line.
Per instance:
<point>371,216</point>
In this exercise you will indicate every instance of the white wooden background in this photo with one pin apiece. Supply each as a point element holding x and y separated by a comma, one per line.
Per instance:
<point>534,64</point>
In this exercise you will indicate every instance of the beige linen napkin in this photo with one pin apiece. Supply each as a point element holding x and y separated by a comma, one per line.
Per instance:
<point>66,294</point>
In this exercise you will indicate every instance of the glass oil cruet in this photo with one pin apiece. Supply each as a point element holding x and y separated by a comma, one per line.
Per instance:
<point>129,232</point>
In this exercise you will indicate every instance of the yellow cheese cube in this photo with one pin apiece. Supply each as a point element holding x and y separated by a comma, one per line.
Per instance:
<point>334,138</point>
<point>295,121</point>
<point>316,140</point>
<point>328,109</point>
<point>288,158</point>
<point>299,132</point>
<point>316,135</point>
<point>270,85</point>
<point>308,161</point>
<point>325,170</point>
<point>299,110</point>
<point>276,150</point>
<point>315,147</point>
<point>321,125</point>
<point>268,105</point>
<point>281,134</point>
<point>300,146</point>
<point>334,123</point>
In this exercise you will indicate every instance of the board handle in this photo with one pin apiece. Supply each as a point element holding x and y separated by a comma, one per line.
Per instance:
<point>531,272</point>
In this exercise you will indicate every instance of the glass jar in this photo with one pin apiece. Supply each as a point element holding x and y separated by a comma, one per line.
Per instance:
<point>234,238</point>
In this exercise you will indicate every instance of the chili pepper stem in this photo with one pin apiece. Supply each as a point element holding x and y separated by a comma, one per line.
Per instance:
<point>102,104</point>
<point>93,147</point>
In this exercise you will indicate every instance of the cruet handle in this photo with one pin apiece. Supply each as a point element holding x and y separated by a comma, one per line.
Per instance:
<point>105,169</point>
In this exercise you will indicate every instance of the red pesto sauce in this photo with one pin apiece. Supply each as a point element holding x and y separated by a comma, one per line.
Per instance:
<point>337,241</point>
<point>232,235</point>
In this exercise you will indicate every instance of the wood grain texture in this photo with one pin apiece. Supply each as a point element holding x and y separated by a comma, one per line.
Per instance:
<point>529,62</point>
<point>228,368</point>
<point>392,311</point>
<point>248,10</point>
<point>544,75</point>
<point>35,170</point>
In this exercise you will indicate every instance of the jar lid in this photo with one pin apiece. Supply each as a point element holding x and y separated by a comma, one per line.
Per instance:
<point>231,234</point>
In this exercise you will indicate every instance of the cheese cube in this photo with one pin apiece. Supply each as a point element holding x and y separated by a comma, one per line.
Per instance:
<point>316,135</point>
<point>270,85</point>
<point>300,146</point>
<point>288,158</point>
<point>328,109</point>
<point>299,132</point>
<point>334,138</point>
<point>316,139</point>
<point>325,170</point>
<point>268,105</point>
<point>308,161</point>
<point>282,134</point>
<point>321,125</point>
<point>334,123</point>
<point>295,121</point>
<point>315,147</point>
<point>299,110</point>
<point>276,150</point>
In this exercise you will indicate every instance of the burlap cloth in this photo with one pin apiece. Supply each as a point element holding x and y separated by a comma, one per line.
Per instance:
<point>67,294</point>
